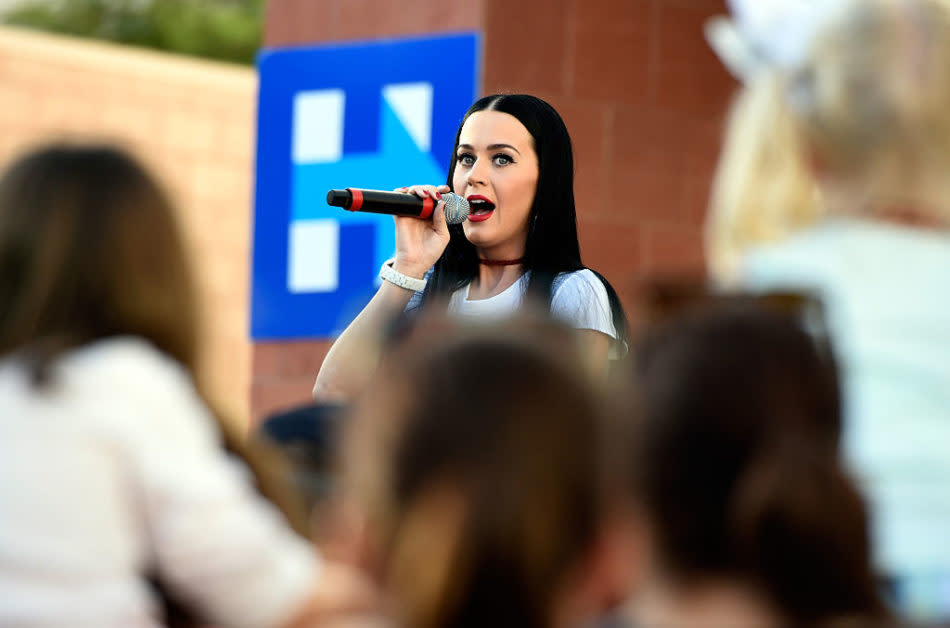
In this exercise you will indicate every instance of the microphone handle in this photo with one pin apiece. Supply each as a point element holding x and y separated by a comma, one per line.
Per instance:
<point>390,203</point>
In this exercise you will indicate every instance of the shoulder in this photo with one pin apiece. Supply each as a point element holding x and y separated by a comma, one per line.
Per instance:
<point>580,298</point>
<point>125,364</point>
<point>578,284</point>
<point>127,384</point>
<point>801,260</point>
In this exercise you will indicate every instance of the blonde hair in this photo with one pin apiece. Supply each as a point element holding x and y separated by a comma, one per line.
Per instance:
<point>870,107</point>
<point>762,190</point>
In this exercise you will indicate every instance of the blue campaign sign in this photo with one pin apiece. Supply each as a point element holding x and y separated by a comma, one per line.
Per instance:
<point>376,115</point>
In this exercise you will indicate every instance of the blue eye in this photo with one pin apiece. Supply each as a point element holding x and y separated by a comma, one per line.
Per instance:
<point>501,159</point>
<point>466,159</point>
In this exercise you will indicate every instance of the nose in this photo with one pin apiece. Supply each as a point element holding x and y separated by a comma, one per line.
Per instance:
<point>477,174</point>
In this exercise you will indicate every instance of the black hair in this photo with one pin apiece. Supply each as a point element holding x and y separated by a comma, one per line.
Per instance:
<point>552,245</point>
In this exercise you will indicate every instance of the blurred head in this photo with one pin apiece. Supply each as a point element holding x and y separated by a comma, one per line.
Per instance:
<point>477,464</point>
<point>89,249</point>
<point>763,189</point>
<point>873,102</point>
<point>736,464</point>
<point>861,125</point>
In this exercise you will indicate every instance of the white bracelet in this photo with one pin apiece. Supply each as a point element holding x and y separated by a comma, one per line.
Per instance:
<point>393,276</point>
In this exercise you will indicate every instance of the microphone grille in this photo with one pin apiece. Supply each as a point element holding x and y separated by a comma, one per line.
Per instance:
<point>456,208</point>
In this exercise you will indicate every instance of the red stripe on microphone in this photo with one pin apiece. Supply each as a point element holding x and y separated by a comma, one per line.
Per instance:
<point>427,207</point>
<point>357,201</point>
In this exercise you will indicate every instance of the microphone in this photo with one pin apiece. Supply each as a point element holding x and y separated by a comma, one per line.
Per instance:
<point>398,204</point>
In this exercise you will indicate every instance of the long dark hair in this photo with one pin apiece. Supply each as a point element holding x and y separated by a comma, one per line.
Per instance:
<point>552,245</point>
<point>737,462</point>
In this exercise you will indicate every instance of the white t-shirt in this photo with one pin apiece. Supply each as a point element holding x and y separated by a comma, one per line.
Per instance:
<point>885,291</point>
<point>115,470</point>
<point>578,299</point>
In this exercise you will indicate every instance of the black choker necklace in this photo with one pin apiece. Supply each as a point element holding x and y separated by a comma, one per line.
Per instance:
<point>501,262</point>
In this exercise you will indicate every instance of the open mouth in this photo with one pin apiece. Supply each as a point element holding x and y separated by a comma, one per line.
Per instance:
<point>481,208</point>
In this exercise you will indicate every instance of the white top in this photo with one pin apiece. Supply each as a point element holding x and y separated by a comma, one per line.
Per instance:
<point>115,470</point>
<point>885,288</point>
<point>578,298</point>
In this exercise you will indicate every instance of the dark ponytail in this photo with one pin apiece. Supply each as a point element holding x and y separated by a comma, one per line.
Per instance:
<point>737,466</point>
<point>799,526</point>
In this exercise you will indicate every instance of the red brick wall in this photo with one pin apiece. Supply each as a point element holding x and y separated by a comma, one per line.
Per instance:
<point>639,89</point>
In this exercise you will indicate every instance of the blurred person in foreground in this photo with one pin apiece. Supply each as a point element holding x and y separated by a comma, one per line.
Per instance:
<point>480,469</point>
<point>752,521</point>
<point>112,470</point>
<point>835,177</point>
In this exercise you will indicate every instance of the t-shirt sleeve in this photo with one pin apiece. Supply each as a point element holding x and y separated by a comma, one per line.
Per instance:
<point>217,544</point>
<point>580,300</point>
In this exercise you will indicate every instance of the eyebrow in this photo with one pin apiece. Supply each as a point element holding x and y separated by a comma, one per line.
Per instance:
<point>491,147</point>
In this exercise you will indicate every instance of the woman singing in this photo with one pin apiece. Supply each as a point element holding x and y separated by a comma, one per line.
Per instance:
<point>514,164</point>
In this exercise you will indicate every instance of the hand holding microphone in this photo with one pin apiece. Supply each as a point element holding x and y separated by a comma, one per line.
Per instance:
<point>399,204</point>
<point>419,242</point>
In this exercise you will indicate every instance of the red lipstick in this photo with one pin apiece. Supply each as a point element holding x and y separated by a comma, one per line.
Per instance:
<point>481,208</point>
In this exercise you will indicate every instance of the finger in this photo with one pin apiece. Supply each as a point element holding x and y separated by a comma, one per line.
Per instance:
<point>402,189</point>
<point>438,218</point>
<point>444,188</point>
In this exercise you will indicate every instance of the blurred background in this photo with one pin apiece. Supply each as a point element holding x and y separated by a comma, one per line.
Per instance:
<point>175,81</point>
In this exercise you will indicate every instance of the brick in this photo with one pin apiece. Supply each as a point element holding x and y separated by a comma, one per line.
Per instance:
<point>524,46</point>
<point>610,248</point>
<point>648,153</point>
<point>689,76</point>
<point>587,123</point>
<point>290,22</point>
<point>15,101</point>
<point>275,360</point>
<point>132,121</point>
<point>269,396</point>
<point>672,250</point>
<point>363,19</point>
<point>186,130</point>
<point>302,21</point>
<point>658,161</point>
<point>210,179</point>
<point>611,59</point>
<point>615,12</point>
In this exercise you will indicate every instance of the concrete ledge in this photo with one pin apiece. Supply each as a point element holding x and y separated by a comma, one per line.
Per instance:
<point>121,59</point>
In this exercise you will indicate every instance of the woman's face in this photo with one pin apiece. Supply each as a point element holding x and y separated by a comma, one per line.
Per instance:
<point>496,169</point>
